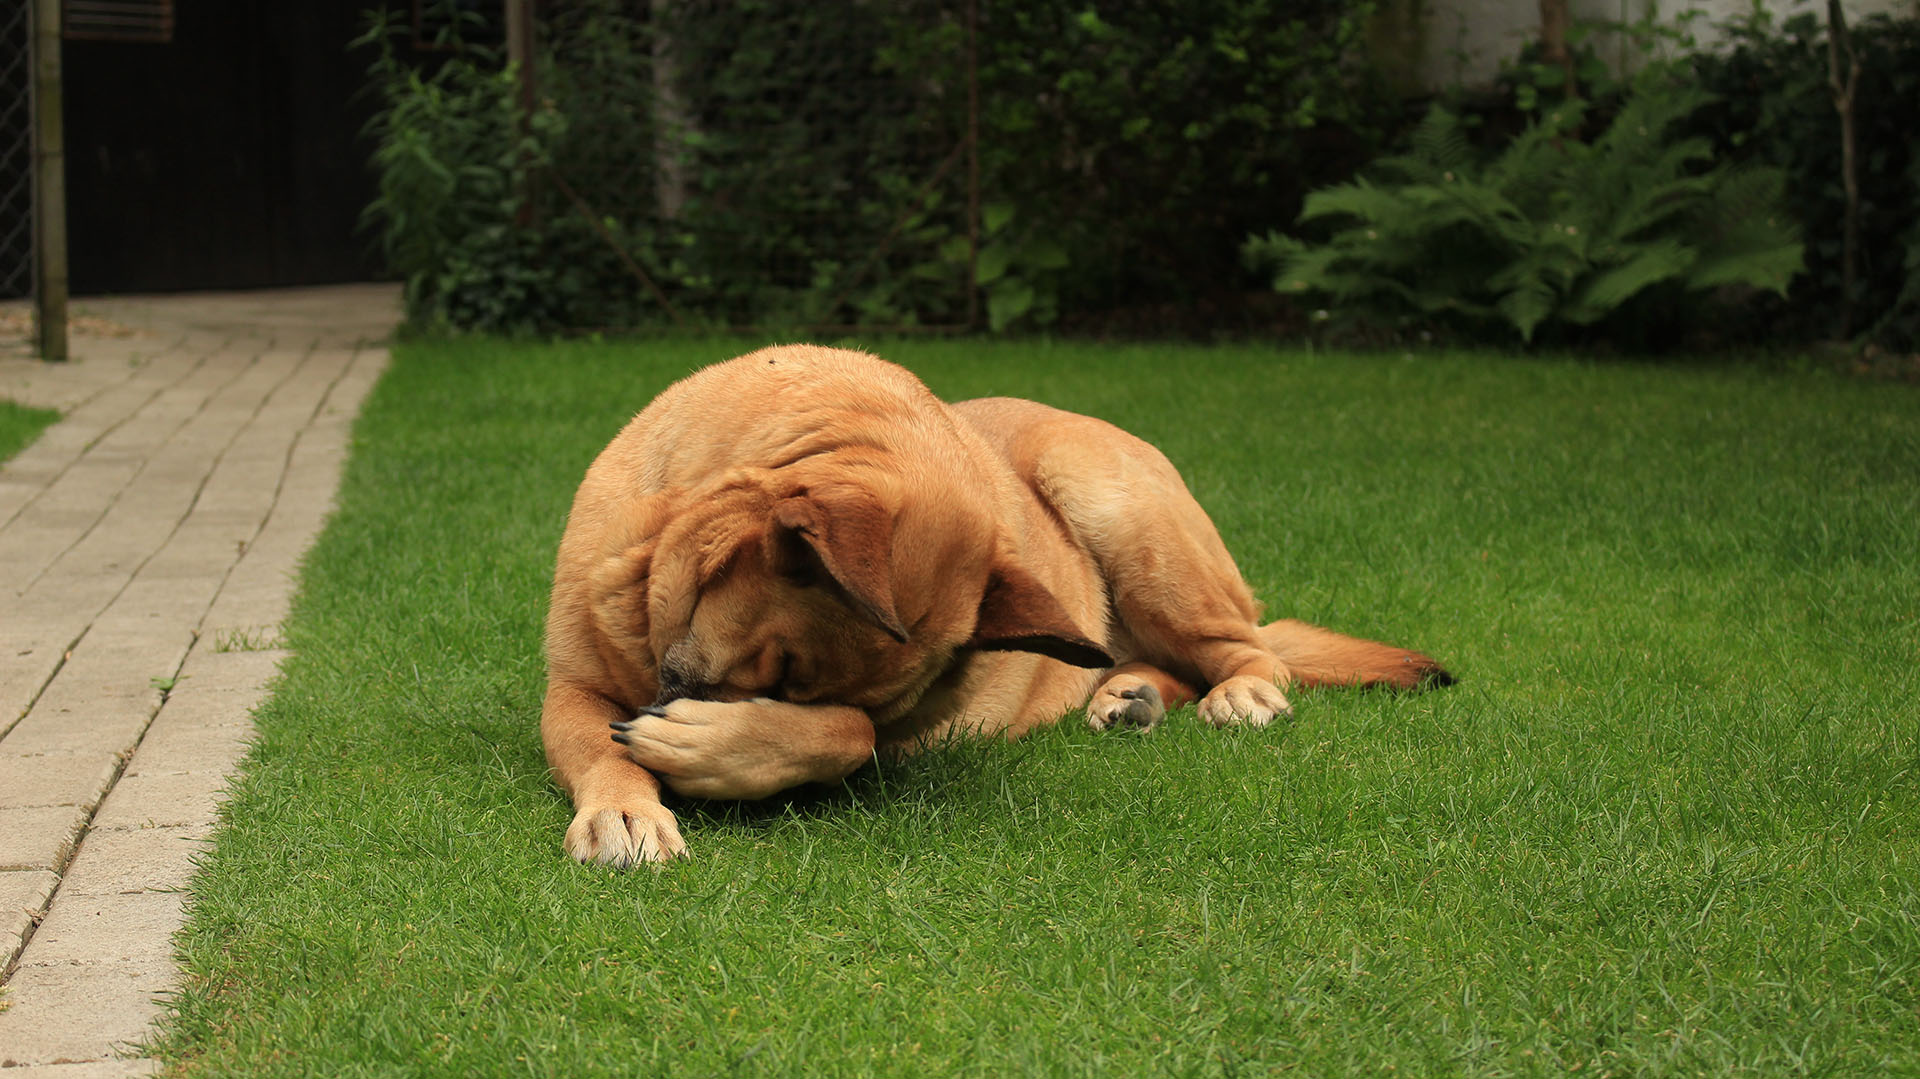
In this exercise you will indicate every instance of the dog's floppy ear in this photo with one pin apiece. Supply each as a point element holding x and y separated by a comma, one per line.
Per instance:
<point>1018,614</point>
<point>620,592</point>
<point>845,533</point>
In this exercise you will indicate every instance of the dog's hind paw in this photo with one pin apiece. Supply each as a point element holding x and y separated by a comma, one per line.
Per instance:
<point>1125,702</point>
<point>621,838</point>
<point>1244,701</point>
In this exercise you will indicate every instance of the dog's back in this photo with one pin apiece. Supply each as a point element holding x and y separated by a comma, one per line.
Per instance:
<point>1183,619</point>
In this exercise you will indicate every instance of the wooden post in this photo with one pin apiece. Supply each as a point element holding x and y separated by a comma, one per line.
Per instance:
<point>672,123</point>
<point>973,164</point>
<point>1843,87</point>
<point>1556,19</point>
<point>49,187</point>
<point>519,17</point>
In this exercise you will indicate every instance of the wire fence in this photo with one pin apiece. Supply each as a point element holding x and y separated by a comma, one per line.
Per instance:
<point>762,161</point>
<point>16,150</point>
<point>907,164</point>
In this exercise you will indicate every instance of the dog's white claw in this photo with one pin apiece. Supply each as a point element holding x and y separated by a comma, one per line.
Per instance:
<point>1135,706</point>
<point>621,838</point>
<point>1244,701</point>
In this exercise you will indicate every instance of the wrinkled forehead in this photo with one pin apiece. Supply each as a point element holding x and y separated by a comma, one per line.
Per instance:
<point>746,625</point>
<point>712,560</point>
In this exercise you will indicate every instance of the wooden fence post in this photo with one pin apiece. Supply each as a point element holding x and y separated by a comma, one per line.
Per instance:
<point>672,122</point>
<point>520,31</point>
<point>49,187</point>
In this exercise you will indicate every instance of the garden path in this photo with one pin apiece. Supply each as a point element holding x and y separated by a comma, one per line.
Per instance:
<point>148,542</point>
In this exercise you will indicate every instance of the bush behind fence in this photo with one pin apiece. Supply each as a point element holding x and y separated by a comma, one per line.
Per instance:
<point>923,163</point>
<point>976,163</point>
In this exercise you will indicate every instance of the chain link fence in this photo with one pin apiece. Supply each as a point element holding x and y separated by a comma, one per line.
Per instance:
<point>897,165</point>
<point>16,150</point>
<point>26,299</point>
<point>762,161</point>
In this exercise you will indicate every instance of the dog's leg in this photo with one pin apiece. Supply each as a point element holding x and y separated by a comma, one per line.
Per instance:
<point>747,749</point>
<point>1135,695</point>
<point>618,818</point>
<point>1178,597</point>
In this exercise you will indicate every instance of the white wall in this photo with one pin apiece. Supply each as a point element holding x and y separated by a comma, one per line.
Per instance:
<point>1442,42</point>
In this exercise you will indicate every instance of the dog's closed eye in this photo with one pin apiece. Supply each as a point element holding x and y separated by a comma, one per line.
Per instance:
<point>785,685</point>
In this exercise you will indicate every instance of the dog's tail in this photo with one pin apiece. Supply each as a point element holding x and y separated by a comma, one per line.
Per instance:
<point>1321,657</point>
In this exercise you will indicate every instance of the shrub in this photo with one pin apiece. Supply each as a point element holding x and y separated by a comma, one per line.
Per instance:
<point>1122,157</point>
<point>453,157</point>
<point>1551,233</point>
<point>1774,108</point>
<point>1136,146</point>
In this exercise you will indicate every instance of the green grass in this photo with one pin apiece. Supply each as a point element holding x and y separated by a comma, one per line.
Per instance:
<point>20,425</point>
<point>1666,824</point>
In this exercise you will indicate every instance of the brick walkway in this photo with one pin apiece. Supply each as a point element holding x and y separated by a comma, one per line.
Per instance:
<point>147,546</point>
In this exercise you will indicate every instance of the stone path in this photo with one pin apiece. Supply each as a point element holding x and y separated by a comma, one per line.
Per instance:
<point>147,546</point>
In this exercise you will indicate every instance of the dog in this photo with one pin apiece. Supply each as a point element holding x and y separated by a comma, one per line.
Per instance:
<point>795,560</point>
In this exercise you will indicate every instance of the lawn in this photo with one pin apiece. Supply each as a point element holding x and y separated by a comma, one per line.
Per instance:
<point>1664,825</point>
<point>19,425</point>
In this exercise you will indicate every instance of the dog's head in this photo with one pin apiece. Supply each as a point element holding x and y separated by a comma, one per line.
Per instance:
<point>835,592</point>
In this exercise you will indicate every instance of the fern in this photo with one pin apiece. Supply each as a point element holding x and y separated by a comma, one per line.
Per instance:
<point>1359,199</point>
<point>1549,231</point>
<point>1648,265</point>
<point>1439,148</point>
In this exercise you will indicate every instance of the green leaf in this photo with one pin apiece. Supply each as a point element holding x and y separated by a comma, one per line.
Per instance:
<point>1772,268</point>
<point>1007,303</point>
<point>1527,305</point>
<point>992,262</point>
<point>1044,255</point>
<point>1358,199</point>
<point>1660,261</point>
<point>954,250</point>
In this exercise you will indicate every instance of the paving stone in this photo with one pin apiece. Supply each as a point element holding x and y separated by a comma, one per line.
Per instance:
<point>67,719</point>
<point>180,747</point>
<point>44,529</point>
<point>164,800</point>
<point>223,686</point>
<point>78,1012</point>
<point>40,837</point>
<point>132,930</point>
<point>25,667</point>
<point>55,779</point>
<point>69,596</point>
<point>23,897</point>
<point>156,599</point>
<point>119,861</point>
<point>19,485</point>
<point>33,540</point>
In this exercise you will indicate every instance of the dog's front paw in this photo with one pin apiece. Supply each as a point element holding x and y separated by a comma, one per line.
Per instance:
<point>1244,701</point>
<point>1125,702</point>
<point>624,837</point>
<point>714,749</point>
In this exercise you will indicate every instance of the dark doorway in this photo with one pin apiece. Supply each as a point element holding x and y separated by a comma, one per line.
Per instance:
<point>225,153</point>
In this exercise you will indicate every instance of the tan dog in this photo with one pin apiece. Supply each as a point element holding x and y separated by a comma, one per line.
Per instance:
<point>796,558</point>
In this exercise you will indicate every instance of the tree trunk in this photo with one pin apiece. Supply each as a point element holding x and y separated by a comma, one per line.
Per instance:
<point>1556,18</point>
<point>519,19</point>
<point>1839,48</point>
<point>672,120</point>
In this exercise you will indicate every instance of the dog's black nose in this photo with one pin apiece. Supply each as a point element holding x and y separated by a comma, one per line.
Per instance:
<point>675,685</point>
